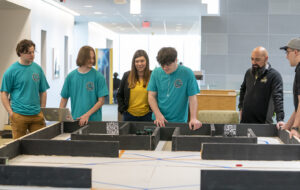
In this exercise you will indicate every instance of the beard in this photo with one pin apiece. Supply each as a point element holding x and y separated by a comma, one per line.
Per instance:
<point>257,70</point>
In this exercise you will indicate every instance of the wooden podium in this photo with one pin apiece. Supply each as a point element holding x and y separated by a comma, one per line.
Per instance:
<point>217,106</point>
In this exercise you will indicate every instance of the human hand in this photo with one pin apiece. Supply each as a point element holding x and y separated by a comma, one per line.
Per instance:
<point>295,133</point>
<point>10,113</point>
<point>194,124</point>
<point>69,117</point>
<point>83,120</point>
<point>160,121</point>
<point>285,127</point>
<point>280,125</point>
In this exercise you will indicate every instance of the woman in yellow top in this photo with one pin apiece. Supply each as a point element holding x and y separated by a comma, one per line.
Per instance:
<point>132,95</point>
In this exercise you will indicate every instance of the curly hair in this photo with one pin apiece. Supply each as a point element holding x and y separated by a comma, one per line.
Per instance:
<point>23,46</point>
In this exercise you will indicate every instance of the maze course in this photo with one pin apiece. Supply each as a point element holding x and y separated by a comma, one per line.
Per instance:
<point>105,139</point>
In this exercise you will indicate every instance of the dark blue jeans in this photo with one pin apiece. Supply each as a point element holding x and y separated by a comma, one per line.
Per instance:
<point>115,96</point>
<point>128,117</point>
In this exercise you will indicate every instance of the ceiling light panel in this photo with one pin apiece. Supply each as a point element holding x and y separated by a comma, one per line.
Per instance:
<point>135,6</point>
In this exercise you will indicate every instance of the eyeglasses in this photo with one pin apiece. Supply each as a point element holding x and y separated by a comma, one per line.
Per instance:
<point>30,52</point>
<point>168,64</point>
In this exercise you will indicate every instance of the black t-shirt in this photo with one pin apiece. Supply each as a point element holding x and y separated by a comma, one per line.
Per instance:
<point>296,86</point>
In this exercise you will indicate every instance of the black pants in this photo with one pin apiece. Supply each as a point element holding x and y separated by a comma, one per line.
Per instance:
<point>128,117</point>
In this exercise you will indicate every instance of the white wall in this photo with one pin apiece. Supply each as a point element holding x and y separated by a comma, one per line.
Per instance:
<point>97,36</point>
<point>12,30</point>
<point>57,24</point>
<point>128,45</point>
<point>80,38</point>
<point>17,24</point>
<point>187,46</point>
<point>192,52</point>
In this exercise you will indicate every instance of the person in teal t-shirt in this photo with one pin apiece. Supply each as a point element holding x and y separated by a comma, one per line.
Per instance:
<point>86,88</point>
<point>26,84</point>
<point>171,90</point>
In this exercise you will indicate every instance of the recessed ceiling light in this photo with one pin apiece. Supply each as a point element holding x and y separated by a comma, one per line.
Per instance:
<point>135,6</point>
<point>98,13</point>
<point>120,2</point>
<point>212,6</point>
<point>88,6</point>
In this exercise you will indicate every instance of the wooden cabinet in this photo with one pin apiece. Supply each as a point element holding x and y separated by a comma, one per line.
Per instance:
<point>217,100</point>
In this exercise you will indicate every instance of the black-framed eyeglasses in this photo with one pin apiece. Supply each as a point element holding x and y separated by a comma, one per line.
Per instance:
<point>31,52</point>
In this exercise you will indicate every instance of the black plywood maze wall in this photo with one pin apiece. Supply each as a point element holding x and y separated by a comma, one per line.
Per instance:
<point>93,140</point>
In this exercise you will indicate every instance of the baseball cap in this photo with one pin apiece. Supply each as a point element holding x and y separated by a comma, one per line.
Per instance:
<point>293,44</point>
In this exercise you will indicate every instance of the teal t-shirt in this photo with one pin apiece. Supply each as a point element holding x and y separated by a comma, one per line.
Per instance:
<point>24,83</point>
<point>84,91</point>
<point>173,91</point>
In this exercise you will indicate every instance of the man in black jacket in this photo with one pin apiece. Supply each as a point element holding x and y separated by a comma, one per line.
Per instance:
<point>292,50</point>
<point>261,92</point>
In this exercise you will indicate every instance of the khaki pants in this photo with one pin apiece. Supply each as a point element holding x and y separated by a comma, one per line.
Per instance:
<point>20,124</point>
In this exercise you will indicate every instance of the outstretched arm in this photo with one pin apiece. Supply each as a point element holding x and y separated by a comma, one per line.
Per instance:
<point>63,102</point>
<point>83,120</point>
<point>159,118</point>
<point>296,123</point>
<point>194,122</point>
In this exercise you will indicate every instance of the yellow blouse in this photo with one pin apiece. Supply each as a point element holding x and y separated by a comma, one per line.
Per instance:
<point>138,100</point>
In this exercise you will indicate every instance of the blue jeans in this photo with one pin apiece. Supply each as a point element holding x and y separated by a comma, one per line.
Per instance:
<point>115,96</point>
<point>128,117</point>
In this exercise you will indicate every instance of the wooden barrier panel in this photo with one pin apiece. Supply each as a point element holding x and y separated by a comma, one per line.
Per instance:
<point>224,92</point>
<point>219,101</point>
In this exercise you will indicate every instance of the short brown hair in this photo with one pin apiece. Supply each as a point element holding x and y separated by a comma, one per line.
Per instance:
<point>84,55</point>
<point>166,55</point>
<point>23,46</point>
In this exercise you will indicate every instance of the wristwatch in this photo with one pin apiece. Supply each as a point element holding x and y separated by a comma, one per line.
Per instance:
<point>295,128</point>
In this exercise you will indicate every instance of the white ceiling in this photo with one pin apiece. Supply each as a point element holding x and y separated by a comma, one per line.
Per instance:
<point>165,16</point>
